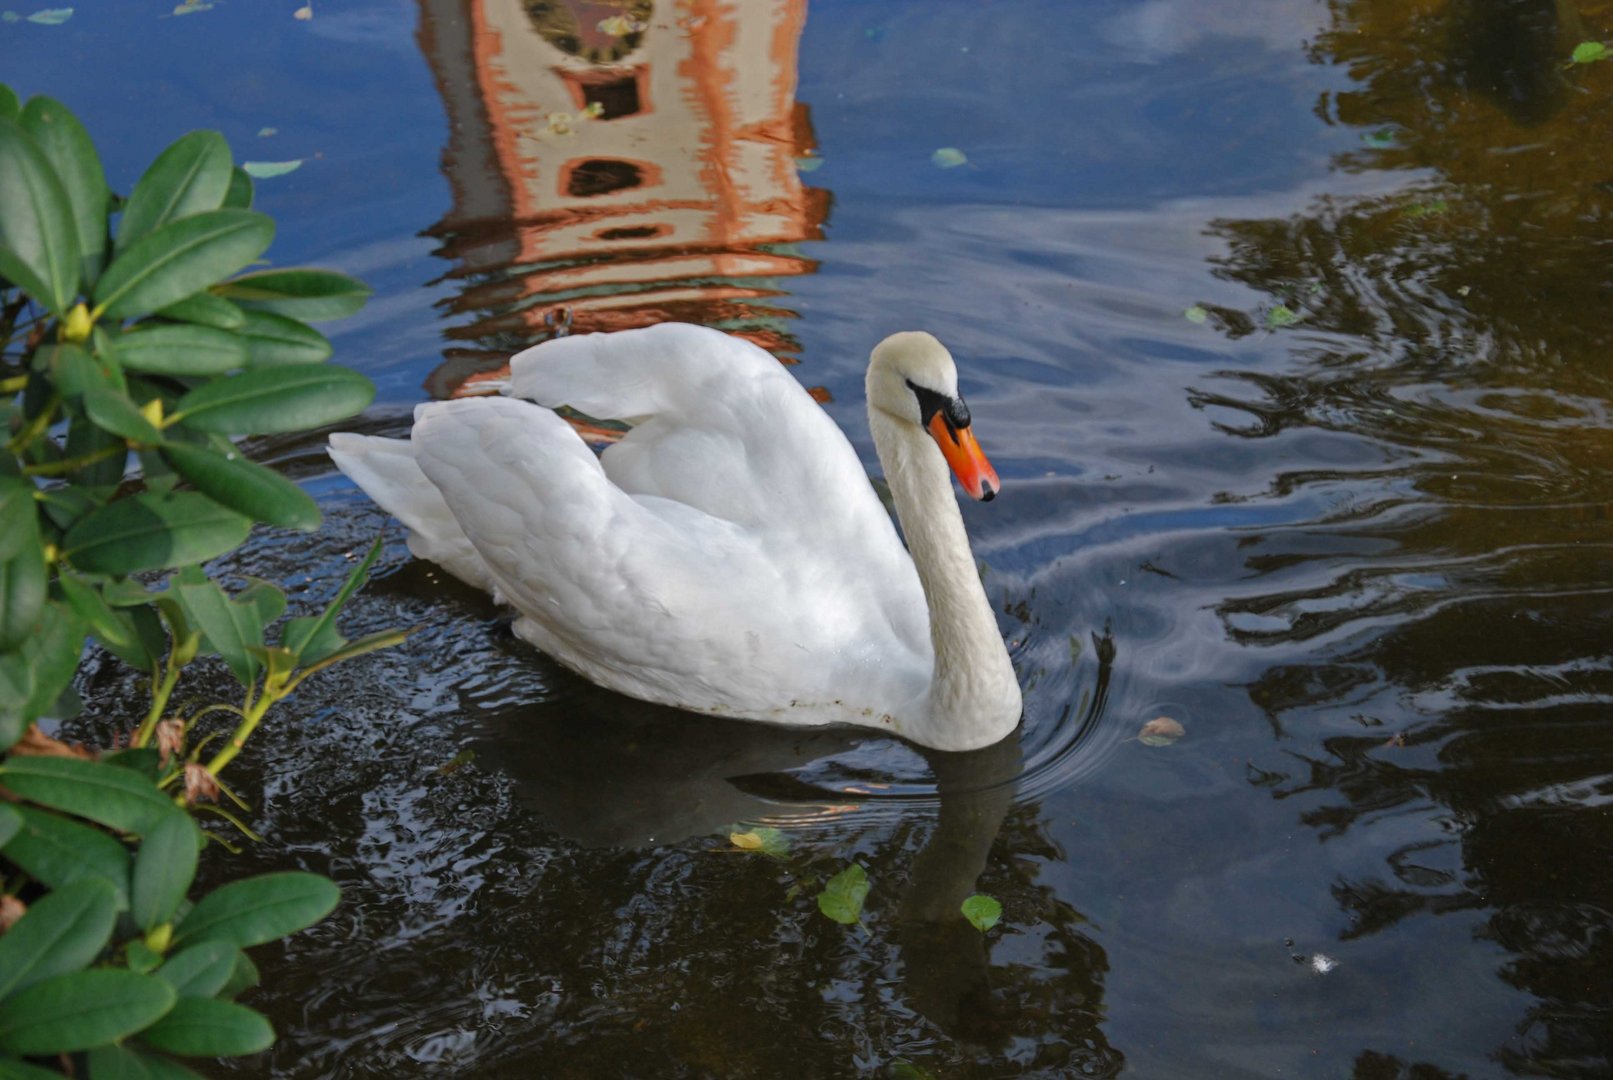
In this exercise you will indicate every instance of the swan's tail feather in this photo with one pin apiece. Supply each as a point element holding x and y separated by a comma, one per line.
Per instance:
<point>387,471</point>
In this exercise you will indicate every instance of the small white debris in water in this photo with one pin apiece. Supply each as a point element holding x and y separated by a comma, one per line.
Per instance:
<point>1321,963</point>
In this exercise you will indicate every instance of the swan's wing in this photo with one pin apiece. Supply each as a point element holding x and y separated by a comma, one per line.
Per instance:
<point>719,425</point>
<point>646,594</point>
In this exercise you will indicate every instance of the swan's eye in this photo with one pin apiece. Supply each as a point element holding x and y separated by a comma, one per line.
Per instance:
<point>952,409</point>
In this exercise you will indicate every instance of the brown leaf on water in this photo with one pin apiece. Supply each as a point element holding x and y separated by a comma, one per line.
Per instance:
<point>1160,731</point>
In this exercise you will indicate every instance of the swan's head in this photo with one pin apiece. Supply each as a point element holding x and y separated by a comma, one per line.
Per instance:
<point>911,377</point>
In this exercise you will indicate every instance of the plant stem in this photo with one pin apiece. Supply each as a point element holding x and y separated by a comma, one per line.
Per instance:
<point>35,427</point>
<point>159,702</point>
<point>242,731</point>
<point>67,465</point>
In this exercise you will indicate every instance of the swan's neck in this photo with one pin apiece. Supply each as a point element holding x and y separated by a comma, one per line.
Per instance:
<point>974,699</point>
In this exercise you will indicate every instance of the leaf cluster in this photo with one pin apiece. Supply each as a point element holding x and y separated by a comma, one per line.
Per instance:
<point>136,346</point>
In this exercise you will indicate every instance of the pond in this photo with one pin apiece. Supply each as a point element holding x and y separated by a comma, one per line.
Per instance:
<point>1289,327</point>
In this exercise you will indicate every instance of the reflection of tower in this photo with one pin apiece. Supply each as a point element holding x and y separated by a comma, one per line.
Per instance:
<point>626,163</point>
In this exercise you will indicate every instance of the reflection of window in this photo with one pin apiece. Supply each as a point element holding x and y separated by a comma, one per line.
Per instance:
<point>599,176</point>
<point>614,91</point>
<point>633,232</point>
<point>618,97</point>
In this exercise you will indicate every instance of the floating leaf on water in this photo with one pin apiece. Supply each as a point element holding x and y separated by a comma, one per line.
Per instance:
<point>1160,731</point>
<point>1380,139</point>
<point>768,841</point>
<point>842,898</point>
<point>1196,314</point>
<point>559,123</point>
<point>304,13</point>
<point>190,7</point>
<point>808,164</point>
<point>1427,209</point>
<point>51,16</point>
<point>1588,52</point>
<point>457,762</point>
<point>10,16</point>
<point>593,110</point>
<point>619,26</point>
<point>1280,316</point>
<point>264,133</point>
<point>263,170</point>
<point>906,1070</point>
<point>948,157</point>
<point>982,911</point>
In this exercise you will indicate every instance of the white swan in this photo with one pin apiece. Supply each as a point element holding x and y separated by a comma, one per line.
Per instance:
<point>728,555</point>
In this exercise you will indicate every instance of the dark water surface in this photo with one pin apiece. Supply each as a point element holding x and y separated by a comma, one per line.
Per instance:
<point>1289,326</point>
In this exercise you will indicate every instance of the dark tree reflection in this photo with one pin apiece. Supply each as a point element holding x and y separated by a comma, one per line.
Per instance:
<point>1454,599</point>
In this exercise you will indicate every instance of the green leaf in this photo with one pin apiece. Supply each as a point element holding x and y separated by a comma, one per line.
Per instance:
<point>231,628</point>
<point>312,638</point>
<point>243,977</point>
<point>41,668</point>
<point>63,931</point>
<point>245,486</point>
<point>85,437</point>
<point>10,107</point>
<point>22,594</point>
<point>59,852</point>
<point>138,956</point>
<point>190,177</point>
<point>153,532</point>
<point>75,370</point>
<point>1196,314</point>
<point>51,16</point>
<point>71,152</point>
<point>164,867</point>
<point>111,627</point>
<point>842,898</point>
<point>265,170</point>
<point>268,401</point>
<point>265,598</point>
<point>111,410</point>
<point>10,824</point>
<point>949,157</point>
<point>201,970</point>
<point>240,194</point>
<point>206,1027</point>
<point>38,233</point>
<point>205,309</point>
<point>300,293</point>
<point>19,523</point>
<point>769,841</point>
<point>1588,52</point>
<point>116,1062</point>
<point>181,350</point>
<point>1279,316</point>
<point>259,909</point>
<point>181,258</point>
<point>982,911</point>
<point>116,798</point>
<point>144,761</point>
<point>81,1010</point>
<point>274,339</point>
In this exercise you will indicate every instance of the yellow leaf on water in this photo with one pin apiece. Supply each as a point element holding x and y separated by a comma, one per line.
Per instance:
<point>304,13</point>
<point>748,841</point>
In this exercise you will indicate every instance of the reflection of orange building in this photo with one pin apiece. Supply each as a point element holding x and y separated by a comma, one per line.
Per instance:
<point>626,162</point>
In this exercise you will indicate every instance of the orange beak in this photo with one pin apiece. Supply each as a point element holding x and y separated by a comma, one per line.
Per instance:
<point>964,455</point>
